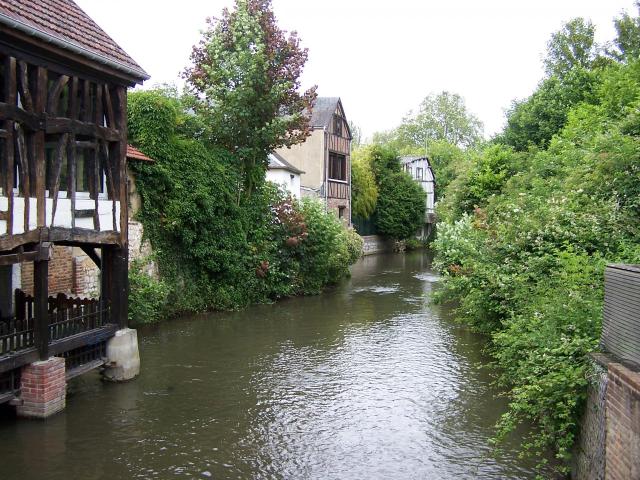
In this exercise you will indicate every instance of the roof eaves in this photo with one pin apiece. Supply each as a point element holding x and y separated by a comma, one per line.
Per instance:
<point>139,74</point>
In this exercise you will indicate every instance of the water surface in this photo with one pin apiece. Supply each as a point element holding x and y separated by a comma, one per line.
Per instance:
<point>367,381</point>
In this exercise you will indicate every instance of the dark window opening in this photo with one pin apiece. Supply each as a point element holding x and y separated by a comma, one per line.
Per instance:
<point>341,211</point>
<point>419,173</point>
<point>337,125</point>
<point>337,167</point>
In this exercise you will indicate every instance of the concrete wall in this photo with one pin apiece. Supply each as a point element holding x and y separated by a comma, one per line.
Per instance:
<point>376,244</point>
<point>308,157</point>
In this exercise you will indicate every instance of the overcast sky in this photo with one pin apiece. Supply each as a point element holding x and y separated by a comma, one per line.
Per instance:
<point>381,57</point>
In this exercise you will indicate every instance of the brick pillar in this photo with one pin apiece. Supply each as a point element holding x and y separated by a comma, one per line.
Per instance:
<point>623,423</point>
<point>43,388</point>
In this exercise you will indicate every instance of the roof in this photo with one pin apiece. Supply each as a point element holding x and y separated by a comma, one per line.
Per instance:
<point>135,154</point>
<point>323,110</point>
<point>409,159</point>
<point>276,162</point>
<point>66,25</point>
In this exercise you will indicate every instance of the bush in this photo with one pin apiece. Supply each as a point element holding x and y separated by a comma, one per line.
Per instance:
<point>147,296</point>
<point>401,206</point>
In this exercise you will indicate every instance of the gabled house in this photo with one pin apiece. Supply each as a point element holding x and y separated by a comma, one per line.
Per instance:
<point>63,181</point>
<point>325,157</point>
<point>282,173</point>
<point>420,170</point>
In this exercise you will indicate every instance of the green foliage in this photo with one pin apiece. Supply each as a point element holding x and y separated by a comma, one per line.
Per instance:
<point>245,81</point>
<point>572,47</point>
<point>441,117</point>
<point>525,233</point>
<point>364,190</point>
<point>147,296</point>
<point>213,251</point>
<point>627,41</point>
<point>401,205</point>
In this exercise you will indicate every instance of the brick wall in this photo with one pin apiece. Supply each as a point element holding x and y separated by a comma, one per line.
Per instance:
<point>623,423</point>
<point>60,272</point>
<point>589,452</point>
<point>43,388</point>
<point>86,277</point>
<point>333,204</point>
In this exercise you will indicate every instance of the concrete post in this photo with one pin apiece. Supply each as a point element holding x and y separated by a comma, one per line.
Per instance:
<point>123,356</point>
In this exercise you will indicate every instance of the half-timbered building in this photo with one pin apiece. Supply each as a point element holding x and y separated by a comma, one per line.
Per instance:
<point>325,157</point>
<point>63,181</point>
<point>421,171</point>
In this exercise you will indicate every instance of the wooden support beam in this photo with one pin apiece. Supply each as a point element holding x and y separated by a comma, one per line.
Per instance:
<point>39,144</point>
<point>92,254</point>
<point>41,311</point>
<point>55,91</point>
<point>119,281</point>
<point>43,253</point>
<point>57,170</point>
<point>23,85</point>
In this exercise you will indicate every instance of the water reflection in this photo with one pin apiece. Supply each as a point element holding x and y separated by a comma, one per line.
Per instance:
<point>366,381</point>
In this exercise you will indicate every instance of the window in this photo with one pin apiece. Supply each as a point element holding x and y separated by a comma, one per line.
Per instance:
<point>337,125</point>
<point>337,167</point>
<point>341,211</point>
<point>410,170</point>
<point>419,173</point>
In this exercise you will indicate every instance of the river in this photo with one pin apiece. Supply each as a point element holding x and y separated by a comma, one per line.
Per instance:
<point>366,381</point>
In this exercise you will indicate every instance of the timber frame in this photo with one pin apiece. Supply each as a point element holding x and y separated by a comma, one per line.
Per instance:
<point>63,180</point>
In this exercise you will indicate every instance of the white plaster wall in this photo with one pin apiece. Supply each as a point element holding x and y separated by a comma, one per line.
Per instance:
<point>63,214</point>
<point>284,178</point>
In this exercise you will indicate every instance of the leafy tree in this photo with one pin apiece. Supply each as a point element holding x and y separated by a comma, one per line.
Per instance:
<point>572,46</point>
<point>534,121</point>
<point>364,190</point>
<point>356,134</point>
<point>246,80</point>
<point>401,205</point>
<point>440,117</point>
<point>627,41</point>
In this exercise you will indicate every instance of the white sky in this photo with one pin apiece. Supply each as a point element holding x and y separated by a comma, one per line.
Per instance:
<point>381,57</point>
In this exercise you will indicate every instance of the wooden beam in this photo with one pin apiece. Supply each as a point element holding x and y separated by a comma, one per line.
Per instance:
<point>23,85</point>
<point>55,91</point>
<point>25,182</point>
<point>57,170</point>
<point>92,254</point>
<point>10,97</point>
<point>41,310</point>
<point>54,125</point>
<point>41,254</point>
<point>40,108</point>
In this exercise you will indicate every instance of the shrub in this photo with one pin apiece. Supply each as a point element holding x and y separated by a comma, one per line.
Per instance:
<point>147,296</point>
<point>401,206</point>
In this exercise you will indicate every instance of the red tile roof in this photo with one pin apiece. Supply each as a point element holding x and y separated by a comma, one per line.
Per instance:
<point>135,154</point>
<point>66,22</point>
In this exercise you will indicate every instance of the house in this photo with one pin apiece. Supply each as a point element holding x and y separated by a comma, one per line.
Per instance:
<point>282,173</point>
<point>63,182</point>
<point>419,168</point>
<point>325,157</point>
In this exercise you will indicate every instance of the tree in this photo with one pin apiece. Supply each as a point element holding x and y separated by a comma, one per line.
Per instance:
<point>364,190</point>
<point>572,46</point>
<point>401,206</point>
<point>628,38</point>
<point>440,117</point>
<point>245,74</point>
<point>356,134</point>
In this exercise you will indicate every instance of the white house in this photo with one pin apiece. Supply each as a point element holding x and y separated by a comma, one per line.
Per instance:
<point>284,174</point>
<point>419,168</point>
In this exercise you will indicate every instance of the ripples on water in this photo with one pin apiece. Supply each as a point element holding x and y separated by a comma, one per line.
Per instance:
<point>367,381</point>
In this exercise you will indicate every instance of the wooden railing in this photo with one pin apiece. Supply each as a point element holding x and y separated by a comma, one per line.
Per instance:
<point>338,190</point>
<point>67,316</point>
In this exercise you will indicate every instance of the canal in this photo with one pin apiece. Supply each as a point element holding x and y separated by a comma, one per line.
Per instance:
<point>367,381</point>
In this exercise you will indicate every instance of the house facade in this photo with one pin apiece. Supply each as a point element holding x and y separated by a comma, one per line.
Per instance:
<point>282,173</point>
<point>420,170</point>
<point>63,182</point>
<point>325,157</point>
